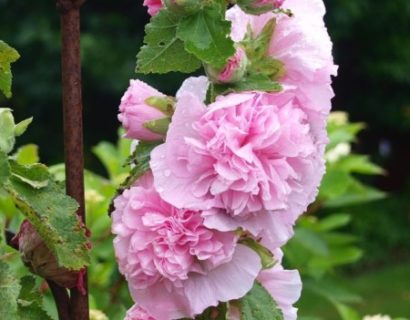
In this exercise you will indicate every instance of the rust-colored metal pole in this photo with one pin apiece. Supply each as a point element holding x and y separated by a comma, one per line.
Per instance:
<point>73,126</point>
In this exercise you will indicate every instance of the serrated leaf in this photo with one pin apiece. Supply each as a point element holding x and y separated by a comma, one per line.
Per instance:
<point>4,168</point>
<point>258,304</point>
<point>8,55</point>
<point>7,138</point>
<point>22,126</point>
<point>206,35</point>
<point>35,175</point>
<point>27,154</point>
<point>30,301</point>
<point>53,215</point>
<point>266,256</point>
<point>163,52</point>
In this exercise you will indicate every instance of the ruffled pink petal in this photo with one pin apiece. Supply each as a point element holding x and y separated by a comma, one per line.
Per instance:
<point>285,286</point>
<point>198,86</point>
<point>228,282</point>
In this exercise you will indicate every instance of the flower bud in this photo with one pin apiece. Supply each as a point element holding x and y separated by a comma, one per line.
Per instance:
<point>258,7</point>
<point>184,6</point>
<point>145,112</point>
<point>40,260</point>
<point>153,6</point>
<point>233,71</point>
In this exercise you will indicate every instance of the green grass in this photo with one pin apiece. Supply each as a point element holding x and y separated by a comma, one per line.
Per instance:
<point>384,291</point>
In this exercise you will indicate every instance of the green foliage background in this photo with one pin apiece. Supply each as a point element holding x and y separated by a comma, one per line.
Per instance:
<point>372,48</point>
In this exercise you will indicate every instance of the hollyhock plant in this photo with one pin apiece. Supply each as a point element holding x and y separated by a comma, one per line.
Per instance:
<point>142,119</point>
<point>301,42</point>
<point>232,72</point>
<point>153,6</point>
<point>175,266</point>
<point>249,160</point>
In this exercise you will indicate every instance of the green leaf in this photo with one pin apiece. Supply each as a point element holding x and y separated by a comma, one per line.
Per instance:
<point>30,301</point>
<point>27,154</point>
<point>35,175</point>
<point>311,241</point>
<point>356,193</point>
<point>140,158</point>
<point>206,35</point>
<point>334,183</point>
<point>53,214</point>
<point>358,164</point>
<point>334,221</point>
<point>22,126</point>
<point>163,51</point>
<point>258,304</point>
<point>256,47</point>
<point>108,155</point>
<point>342,133</point>
<point>4,168</point>
<point>8,55</point>
<point>249,83</point>
<point>7,138</point>
<point>346,312</point>
<point>9,291</point>
<point>266,256</point>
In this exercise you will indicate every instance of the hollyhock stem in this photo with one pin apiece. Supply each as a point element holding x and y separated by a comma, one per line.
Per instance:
<point>62,300</point>
<point>73,126</point>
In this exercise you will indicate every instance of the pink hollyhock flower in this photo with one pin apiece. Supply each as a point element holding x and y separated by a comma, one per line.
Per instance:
<point>135,112</point>
<point>233,71</point>
<point>301,43</point>
<point>175,266</point>
<point>138,313</point>
<point>256,157</point>
<point>153,6</point>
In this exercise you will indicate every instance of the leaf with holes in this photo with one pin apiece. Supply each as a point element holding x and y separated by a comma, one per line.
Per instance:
<point>163,50</point>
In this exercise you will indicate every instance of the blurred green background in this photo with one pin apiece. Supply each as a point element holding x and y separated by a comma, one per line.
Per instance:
<point>371,46</point>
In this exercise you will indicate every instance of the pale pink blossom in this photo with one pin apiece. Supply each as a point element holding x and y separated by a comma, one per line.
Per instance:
<point>175,266</point>
<point>136,312</point>
<point>301,43</point>
<point>251,160</point>
<point>153,6</point>
<point>135,112</point>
